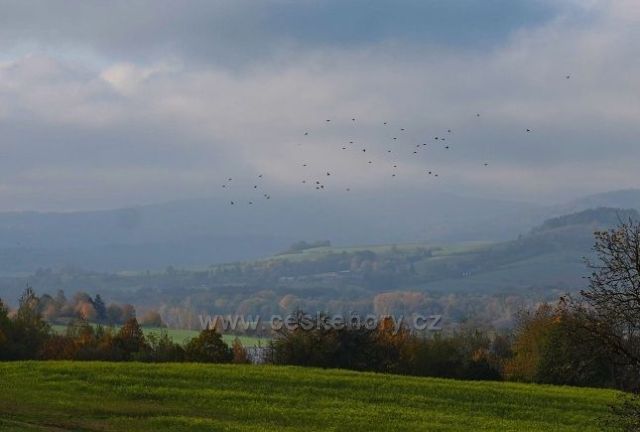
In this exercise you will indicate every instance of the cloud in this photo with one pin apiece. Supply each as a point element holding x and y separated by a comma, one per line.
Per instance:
<point>236,32</point>
<point>158,117</point>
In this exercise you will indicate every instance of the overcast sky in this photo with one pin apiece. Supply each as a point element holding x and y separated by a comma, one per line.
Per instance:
<point>107,104</point>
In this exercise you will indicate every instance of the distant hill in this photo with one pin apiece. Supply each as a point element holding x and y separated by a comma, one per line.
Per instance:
<point>625,199</point>
<point>551,254</point>
<point>200,232</point>
<point>540,265</point>
<point>599,217</point>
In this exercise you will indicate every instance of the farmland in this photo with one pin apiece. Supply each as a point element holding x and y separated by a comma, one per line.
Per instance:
<point>175,397</point>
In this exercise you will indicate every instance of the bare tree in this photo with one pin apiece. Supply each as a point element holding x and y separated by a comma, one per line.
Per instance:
<point>611,303</point>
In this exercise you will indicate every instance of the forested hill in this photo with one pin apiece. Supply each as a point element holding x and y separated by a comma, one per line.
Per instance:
<point>539,265</point>
<point>598,217</point>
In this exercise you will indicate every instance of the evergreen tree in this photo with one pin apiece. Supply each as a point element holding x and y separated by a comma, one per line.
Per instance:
<point>101,309</point>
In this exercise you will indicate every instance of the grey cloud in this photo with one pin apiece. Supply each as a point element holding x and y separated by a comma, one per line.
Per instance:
<point>154,128</point>
<point>233,32</point>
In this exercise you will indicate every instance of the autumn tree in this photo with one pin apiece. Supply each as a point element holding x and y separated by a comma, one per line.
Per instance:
<point>208,347</point>
<point>130,338</point>
<point>30,331</point>
<point>5,331</point>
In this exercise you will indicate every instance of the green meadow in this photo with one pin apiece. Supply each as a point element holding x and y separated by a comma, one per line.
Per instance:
<point>96,396</point>
<point>183,335</point>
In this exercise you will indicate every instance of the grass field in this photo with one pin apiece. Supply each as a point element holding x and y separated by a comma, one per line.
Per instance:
<point>182,336</point>
<point>439,250</point>
<point>37,396</point>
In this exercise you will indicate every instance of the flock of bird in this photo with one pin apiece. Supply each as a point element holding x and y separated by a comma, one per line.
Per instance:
<point>396,135</point>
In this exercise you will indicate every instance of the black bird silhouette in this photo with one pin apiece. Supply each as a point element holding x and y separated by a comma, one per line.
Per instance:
<point>353,119</point>
<point>328,120</point>
<point>260,176</point>
<point>448,130</point>
<point>385,122</point>
<point>528,130</point>
<point>232,202</point>
<point>328,173</point>
<point>364,150</point>
<point>568,76</point>
<point>447,147</point>
<point>478,115</point>
<point>255,186</point>
<point>401,129</point>
<point>306,133</point>
<point>344,148</point>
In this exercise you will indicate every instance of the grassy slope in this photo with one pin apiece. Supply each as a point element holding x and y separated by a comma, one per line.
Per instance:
<point>143,397</point>
<point>441,250</point>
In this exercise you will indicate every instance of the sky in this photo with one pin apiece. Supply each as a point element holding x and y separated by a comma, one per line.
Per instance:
<point>111,104</point>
